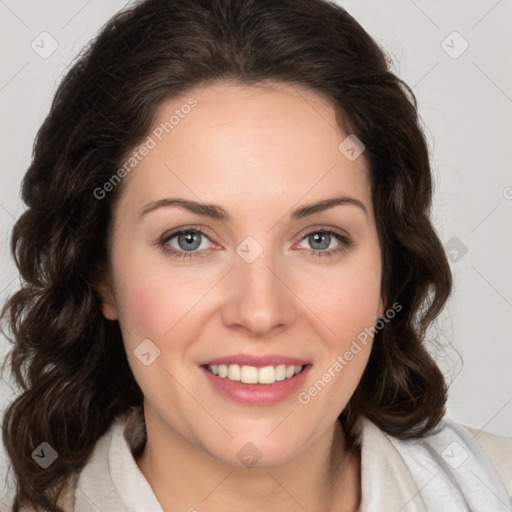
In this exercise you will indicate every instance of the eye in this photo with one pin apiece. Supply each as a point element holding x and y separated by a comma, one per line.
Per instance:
<point>185,243</point>
<point>192,243</point>
<point>321,239</point>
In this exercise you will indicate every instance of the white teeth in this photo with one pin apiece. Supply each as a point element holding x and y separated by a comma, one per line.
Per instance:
<point>266,375</point>
<point>234,372</point>
<point>254,375</point>
<point>248,374</point>
<point>280,372</point>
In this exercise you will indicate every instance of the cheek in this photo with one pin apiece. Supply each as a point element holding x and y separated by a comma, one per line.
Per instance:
<point>144,305</point>
<point>151,312</point>
<point>145,316</point>
<point>150,299</point>
<point>349,301</point>
<point>358,298</point>
<point>350,309</point>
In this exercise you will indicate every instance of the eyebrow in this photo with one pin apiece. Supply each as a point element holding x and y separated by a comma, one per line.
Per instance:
<point>217,212</point>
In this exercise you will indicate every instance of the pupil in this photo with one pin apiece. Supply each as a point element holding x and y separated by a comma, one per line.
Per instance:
<point>189,238</point>
<point>321,238</point>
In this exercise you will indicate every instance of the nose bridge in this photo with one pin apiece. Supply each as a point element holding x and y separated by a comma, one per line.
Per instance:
<point>258,300</point>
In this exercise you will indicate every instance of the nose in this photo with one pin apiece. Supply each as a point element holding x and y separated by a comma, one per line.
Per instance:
<point>259,300</point>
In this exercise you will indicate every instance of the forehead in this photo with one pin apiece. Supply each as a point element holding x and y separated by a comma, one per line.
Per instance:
<point>256,145</point>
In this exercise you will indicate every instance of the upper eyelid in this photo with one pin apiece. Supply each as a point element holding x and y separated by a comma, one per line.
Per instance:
<point>173,232</point>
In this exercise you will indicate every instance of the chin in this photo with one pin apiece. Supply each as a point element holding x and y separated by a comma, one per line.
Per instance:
<point>254,451</point>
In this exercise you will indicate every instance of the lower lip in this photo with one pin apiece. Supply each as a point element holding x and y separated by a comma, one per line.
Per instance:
<point>257,394</point>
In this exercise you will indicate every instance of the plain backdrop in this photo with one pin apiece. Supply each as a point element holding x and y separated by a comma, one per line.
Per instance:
<point>457,57</point>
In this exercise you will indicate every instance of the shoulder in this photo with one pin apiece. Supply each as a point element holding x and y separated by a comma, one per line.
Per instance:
<point>93,483</point>
<point>499,451</point>
<point>473,465</point>
<point>455,445</point>
<point>111,479</point>
<point>451,468</point>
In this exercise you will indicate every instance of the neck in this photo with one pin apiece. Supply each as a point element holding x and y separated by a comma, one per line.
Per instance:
<point>324,477</point>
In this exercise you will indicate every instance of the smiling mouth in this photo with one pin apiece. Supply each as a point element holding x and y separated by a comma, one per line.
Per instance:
<point>255,375</point>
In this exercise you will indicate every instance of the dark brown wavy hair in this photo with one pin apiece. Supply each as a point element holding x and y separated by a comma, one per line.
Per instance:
<point>66,357</point>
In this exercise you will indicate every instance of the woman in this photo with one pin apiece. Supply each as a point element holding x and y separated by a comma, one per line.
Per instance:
<point>229,270</point>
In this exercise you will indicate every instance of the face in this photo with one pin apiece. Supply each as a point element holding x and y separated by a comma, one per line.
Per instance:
<point>257,280</point>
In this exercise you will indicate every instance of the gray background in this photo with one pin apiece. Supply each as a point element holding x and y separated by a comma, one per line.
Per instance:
<point>465,100</point>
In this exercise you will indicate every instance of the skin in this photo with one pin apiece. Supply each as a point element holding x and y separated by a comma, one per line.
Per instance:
<point>259,152</point>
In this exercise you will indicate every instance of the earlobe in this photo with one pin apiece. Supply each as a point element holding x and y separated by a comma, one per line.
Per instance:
<point>105,288</point>
<point>109,311</point>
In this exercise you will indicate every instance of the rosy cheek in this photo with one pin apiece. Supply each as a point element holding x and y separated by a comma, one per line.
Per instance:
<point>153,310</point>
<point>140,314</point>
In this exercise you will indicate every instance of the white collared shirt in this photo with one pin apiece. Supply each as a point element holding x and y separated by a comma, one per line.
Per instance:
<point>453,469</point>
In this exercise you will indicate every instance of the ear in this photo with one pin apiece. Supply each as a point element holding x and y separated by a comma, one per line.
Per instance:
<point>105,288</point>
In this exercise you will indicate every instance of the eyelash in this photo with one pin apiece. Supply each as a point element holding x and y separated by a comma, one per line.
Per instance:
<point>345,243</point>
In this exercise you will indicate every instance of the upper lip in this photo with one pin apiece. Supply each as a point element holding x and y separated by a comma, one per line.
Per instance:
<point>257,360</point>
